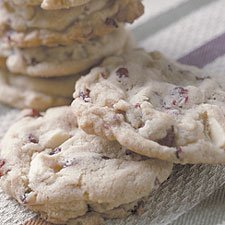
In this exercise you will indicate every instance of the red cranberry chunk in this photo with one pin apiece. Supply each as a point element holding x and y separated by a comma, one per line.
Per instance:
<point>2,163</point>
<point>55,151</point>
<point>33,139</point>
<point>122,72</point>
<point>85,95</point>
<point>31,113</point>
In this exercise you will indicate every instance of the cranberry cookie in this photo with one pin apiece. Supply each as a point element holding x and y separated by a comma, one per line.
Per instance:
<point>51,166</point>
<point>154,107</point>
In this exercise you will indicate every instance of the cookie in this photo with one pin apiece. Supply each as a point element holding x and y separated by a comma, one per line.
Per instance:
<point>155,107</point>
<point>31,26</point>
<point>72,59</point>
<point>51,166</point>
<point>24,92</point>
<point>56,86</point>
<point>52,4</point>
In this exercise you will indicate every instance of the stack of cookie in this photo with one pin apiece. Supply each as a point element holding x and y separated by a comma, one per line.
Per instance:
<point>47,44</point>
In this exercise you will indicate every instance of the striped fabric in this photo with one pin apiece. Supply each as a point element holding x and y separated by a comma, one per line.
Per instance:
<point>193,32</point>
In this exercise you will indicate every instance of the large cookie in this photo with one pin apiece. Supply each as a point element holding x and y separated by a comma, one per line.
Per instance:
<point>154,107</point>
<point>38,93</point>
<point>52,4</point>
<point>51,166</point>
<point>31,26</point>
<point>72,59</point>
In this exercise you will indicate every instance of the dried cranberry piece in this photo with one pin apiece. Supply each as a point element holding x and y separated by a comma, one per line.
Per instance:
<point>85,95</point>
<point>33,139</point>
<point>137,106</point>
<point>174,102</point>
<point>122,72</point>
<point>55,151</point>
<point>128,152</point>
<point>111,22</point>
<point>186,98</point>
<point>181,90</point>
<point>105,157</point>
<point>103,75</point>
<point>179,98</point>
<point>178,152</point>
<point>2,163</point>
<point>32,113</point>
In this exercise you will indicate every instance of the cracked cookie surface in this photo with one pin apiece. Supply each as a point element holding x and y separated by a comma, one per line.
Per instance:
<point>51,166</point>
<point>154,107</point>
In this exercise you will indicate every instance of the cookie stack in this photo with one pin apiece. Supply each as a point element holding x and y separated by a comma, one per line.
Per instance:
<point>46,45</point>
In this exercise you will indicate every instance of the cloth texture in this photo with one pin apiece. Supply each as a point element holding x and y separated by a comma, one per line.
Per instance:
<point>194,195</point>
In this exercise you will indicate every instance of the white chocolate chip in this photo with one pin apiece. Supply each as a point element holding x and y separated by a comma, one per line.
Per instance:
<point>54,138</point>
<point>217,133</point>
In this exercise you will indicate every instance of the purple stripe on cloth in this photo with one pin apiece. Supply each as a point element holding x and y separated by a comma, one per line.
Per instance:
<point>205,54</point>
